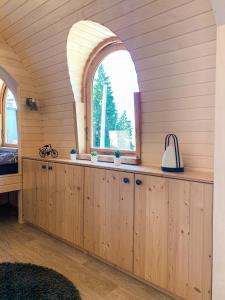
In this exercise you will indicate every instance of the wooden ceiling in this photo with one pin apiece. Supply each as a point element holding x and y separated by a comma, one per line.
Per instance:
<point>172,43</point>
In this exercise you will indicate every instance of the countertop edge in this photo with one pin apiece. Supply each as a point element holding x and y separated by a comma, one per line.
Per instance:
<point>195,176</point>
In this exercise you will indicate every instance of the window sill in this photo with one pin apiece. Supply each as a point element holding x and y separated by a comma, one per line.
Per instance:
<point>128,160</point>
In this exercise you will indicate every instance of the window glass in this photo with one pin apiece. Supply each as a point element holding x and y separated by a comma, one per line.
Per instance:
<point>10,133</point>
<point>113,118</point>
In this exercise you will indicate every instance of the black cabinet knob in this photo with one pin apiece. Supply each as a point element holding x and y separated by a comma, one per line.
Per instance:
<point>138,182</point>
<point>126,180</point>
<point>43,167</point>
<point>50,168</point>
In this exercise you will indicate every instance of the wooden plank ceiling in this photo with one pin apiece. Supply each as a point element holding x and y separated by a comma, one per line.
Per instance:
<point>173,47</point>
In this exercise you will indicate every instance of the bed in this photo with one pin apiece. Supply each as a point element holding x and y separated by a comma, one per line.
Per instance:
<point>8,161</point>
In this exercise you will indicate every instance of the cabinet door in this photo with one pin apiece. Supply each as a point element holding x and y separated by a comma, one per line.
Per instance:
<point>190,239</point>
<point>119,215</point>
<point>29,191</point>
<point>35,192</point>
<point>151,229</point>
<point>41,177</point>
<point>200,248</point>
<point>94,209</point>
<point>108,215</point>
<point>178,234</point>
<point>66,202</point>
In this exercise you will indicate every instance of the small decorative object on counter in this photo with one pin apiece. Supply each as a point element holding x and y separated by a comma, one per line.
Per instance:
<point>73,154</point>
<point>172,160</point>
<point>47,150</point>
<point>117,158</point>
<point>94,157</point>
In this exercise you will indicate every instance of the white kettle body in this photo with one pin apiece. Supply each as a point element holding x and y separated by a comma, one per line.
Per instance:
<point>172,160</point>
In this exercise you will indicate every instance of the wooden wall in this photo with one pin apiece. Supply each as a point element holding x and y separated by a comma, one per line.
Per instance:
<point>83,38</point>
<point>219,171</point>
<point>30,126</point>
<point>173,47</point>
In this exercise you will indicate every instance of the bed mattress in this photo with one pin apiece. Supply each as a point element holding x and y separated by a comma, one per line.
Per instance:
<point>7,158</point>
<point>8,162</point>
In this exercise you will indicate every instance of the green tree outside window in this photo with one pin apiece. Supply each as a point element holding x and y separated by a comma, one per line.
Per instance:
<point>113,122</point>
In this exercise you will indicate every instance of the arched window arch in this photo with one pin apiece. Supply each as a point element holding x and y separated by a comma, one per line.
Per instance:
<point>110,89</point>
<point>9,130</point>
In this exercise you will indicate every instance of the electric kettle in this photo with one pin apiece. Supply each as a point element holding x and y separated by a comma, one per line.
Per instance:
<point>172,160</point>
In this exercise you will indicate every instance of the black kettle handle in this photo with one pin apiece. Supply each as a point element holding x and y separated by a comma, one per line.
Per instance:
<point>177,152</point>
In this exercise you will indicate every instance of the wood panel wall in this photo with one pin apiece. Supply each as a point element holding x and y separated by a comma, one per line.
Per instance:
<point>83,38</point>
<point>30,122</point>
<point>219,188</point>
<point>173,47</point>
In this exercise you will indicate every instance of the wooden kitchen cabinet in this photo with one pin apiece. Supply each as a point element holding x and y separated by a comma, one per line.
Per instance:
<point>151,229</point>
<point>173,235</point>
<point>35,193</point>
<point>66,202</point>
<point>94,207</point>
<point>178,237</point>
<point>156,227</point>
<point>29,191</point>
<point>53,198</point>
<point>42,195</point>
<point>190,239</point>
<point>108,215</point>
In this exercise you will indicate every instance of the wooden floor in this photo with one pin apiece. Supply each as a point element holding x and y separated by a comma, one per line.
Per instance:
<point>95,280</point>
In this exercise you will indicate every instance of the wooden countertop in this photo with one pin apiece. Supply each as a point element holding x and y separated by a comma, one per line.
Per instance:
<point>196,176</point>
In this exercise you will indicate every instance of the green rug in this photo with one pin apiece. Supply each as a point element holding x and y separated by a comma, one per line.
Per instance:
<point>30,282</point>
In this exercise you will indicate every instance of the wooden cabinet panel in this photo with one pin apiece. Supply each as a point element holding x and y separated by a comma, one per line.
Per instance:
<point>35,193</point>
<point>41,169</point>
<point>29,191</point>
<point>75,205</point>
<point>173,235</point>
<point>53,198</point>
<point>200,257</point>
<point>94,207</point>
<point>178,237</point>
<point>190,239</point>
<point>57,199</point>
<point>108,215</point>
<point>52,194</point>
<point>66,202</point>
<point>151,229</point>
<point>119,211</point>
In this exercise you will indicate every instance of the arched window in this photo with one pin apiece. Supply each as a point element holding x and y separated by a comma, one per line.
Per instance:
<point>9,119</point>
<point>111,88</point>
